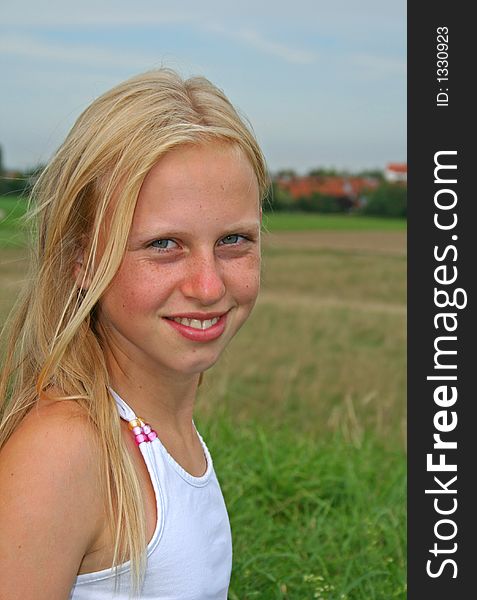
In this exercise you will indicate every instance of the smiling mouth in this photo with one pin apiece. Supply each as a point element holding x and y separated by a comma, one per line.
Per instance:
<point>196,323</point>
<point>200,330</point>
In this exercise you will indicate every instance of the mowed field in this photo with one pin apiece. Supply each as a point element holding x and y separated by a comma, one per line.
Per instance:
<point>305,413</point>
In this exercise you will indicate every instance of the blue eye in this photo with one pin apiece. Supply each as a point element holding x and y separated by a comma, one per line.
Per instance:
<point>161,244</point>
<point>232,239</point>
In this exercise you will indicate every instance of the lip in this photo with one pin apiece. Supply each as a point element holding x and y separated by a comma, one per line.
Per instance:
<point>199,335</point>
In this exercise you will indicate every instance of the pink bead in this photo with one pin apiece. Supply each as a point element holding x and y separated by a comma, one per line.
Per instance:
<point>146,429</point>
<point>152,436</point>
<point>137,430</point>
<point>141,438</point>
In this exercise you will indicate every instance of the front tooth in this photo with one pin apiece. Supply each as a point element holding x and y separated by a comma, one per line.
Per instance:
<point>182,321</point>
<point>196,323</point>
<point>210,322</point>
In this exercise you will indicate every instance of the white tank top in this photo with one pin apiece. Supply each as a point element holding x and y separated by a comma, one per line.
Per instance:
<point>190,554</point>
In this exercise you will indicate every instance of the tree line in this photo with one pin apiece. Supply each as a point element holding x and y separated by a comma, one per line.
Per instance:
<point>387,199</point>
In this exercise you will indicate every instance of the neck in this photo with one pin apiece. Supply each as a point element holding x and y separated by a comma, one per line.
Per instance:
<point>165,402</point>
<point>164,398</point>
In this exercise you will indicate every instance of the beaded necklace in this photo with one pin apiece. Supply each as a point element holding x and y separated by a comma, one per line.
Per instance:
<point>141,431</point>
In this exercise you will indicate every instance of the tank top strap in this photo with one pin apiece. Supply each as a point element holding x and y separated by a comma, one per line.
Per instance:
<point>141,431</point>
<point>125,411</point>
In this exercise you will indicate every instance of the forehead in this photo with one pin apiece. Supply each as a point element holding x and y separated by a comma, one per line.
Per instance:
<point>202,182</point>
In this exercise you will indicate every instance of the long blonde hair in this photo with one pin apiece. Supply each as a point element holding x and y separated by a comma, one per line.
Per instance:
<point>52,339</point>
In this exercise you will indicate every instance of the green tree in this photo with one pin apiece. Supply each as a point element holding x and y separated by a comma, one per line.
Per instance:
<point>328,172</point>
<point>278,199</point>
<point>373,173</point>
<point>387,200</point>
<point>286,173</point>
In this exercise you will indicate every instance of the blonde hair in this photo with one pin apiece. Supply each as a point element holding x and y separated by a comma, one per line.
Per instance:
<point>53,341</point>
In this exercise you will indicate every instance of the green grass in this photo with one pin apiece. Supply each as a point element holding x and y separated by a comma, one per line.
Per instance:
<point>12,209</point>
<point>310,221</point>
<point>311,518</point>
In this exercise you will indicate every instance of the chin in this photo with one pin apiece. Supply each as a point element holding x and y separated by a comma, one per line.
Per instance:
<point>197,367</point>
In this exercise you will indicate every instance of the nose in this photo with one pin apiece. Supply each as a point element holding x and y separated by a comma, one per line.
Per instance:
<point>203,280</point>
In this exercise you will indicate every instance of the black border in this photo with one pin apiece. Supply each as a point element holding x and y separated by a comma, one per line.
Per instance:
<point>433,128</point>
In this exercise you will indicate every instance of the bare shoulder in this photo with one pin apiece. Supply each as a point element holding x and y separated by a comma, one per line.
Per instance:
<point>54,436</point>
<point>50,508</point>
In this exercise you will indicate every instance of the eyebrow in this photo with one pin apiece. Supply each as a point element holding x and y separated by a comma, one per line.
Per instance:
<point>165,230</point>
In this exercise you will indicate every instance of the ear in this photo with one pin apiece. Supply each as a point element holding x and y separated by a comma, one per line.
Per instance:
<point>83,280</point>
<point>260,215</point>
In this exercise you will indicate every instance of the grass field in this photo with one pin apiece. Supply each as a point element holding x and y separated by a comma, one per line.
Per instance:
<point>312,221</point>
<point>305,413</point>
<point>12,208</point>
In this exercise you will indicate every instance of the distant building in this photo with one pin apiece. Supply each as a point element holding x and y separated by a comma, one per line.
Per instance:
<point>349,190</point>
<point>396,173</point>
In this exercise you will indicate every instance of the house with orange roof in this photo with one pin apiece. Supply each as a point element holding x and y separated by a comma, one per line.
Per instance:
<point>396,173</point>
<point>347,190</point>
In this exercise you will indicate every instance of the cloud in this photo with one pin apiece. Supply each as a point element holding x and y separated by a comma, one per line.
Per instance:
<point>26,45</point>
<point>258,41</point>
<point>287,53</point>
<point>88,13</point>
<point>87,55</point>
<point>113,13</point>
<point>210,16</point>
<point>85,19</point>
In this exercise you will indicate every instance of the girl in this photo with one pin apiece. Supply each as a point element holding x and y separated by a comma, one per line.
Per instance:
<point>147,264</point>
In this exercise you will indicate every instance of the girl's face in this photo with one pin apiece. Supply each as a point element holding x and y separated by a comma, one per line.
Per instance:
<point>193,253</point>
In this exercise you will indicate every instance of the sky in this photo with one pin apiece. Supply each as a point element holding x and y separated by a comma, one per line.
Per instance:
<point>322,83</point>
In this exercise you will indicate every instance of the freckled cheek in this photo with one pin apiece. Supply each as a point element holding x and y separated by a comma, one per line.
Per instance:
<point>138,292</point>
<point>245,281</point>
